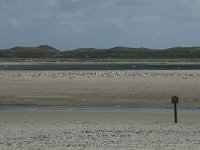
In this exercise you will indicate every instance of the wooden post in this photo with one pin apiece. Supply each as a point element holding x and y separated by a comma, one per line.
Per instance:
<point>175,113</point>
<point>175,101</point>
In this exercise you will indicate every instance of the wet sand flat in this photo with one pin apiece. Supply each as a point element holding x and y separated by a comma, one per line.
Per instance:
<point>145,88</point>
<point>98,129</point>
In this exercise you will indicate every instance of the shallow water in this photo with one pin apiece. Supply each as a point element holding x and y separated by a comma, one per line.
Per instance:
<point>128,66</point>
<point>66,107</point>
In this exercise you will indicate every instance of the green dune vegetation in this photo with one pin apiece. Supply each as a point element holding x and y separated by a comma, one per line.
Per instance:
<point>116,53</point>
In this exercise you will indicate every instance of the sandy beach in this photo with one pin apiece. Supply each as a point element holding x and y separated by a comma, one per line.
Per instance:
<point>98,129</point>
<point>145,88</point>
<point>44,129</point>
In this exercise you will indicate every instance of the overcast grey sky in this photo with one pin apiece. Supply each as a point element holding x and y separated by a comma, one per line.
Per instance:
<point>70,24</point>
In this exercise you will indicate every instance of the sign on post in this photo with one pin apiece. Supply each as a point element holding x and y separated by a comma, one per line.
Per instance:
<point>175,101</point>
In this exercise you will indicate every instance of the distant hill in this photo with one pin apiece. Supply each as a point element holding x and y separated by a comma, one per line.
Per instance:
<point>45,51</point>
<point>137,53</point>
<point>41,51</point>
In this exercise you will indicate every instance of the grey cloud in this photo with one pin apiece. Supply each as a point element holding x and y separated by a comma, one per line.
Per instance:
<point>131,3</point>
<point>68,24</point>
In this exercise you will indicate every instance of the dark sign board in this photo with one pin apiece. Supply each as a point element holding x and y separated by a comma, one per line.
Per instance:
<point>174,99</point>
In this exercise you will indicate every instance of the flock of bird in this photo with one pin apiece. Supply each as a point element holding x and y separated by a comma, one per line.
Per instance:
<point>88,74</point>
